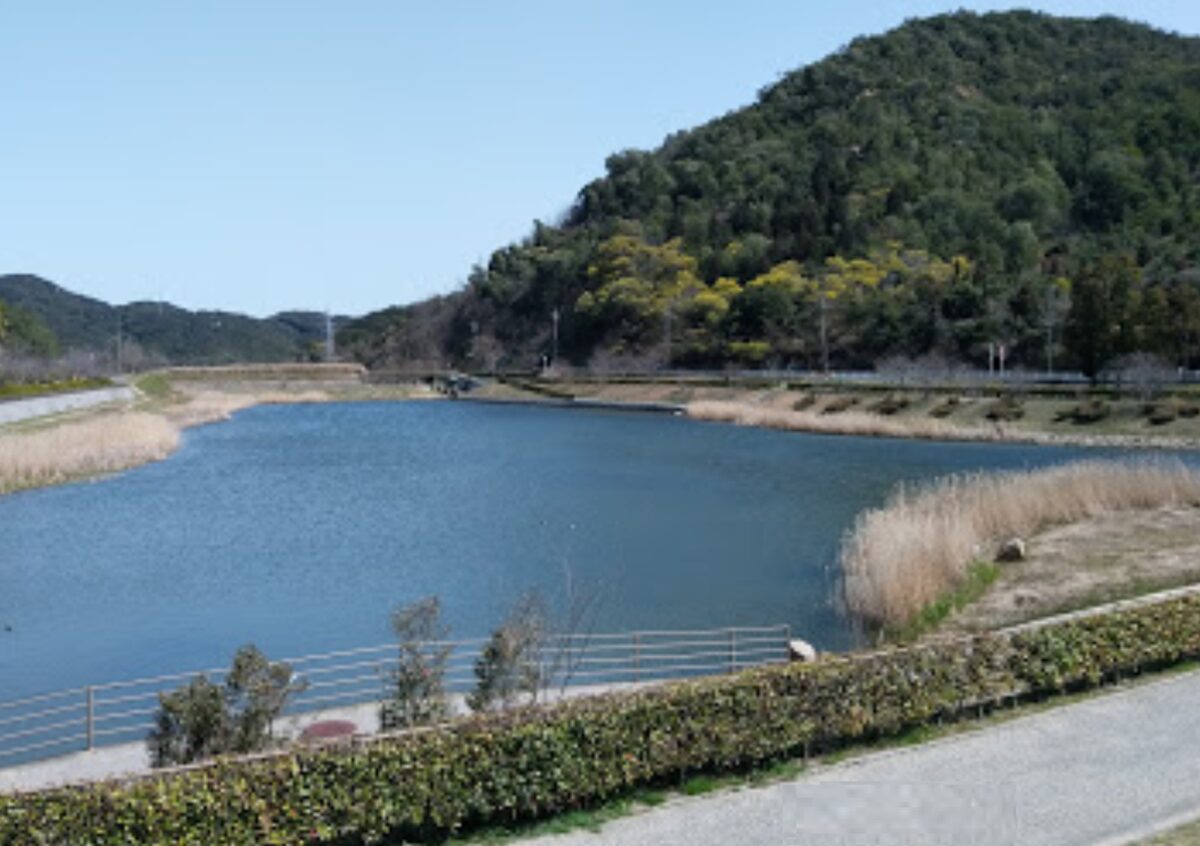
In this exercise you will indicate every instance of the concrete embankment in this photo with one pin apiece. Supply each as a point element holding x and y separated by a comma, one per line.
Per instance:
<point>600,405</point>
<point>16,411</point>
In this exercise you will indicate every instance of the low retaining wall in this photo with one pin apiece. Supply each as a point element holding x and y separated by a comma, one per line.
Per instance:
<point>595,405</point>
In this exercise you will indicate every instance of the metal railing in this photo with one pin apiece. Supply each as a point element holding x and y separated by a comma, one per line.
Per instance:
<point>93,716</point>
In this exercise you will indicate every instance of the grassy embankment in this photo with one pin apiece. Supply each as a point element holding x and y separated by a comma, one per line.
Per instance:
<point>927,552</point>
<point>1185,835</point>
<point>25,390</point>
<point>998,412</point>
<point>106,440</point>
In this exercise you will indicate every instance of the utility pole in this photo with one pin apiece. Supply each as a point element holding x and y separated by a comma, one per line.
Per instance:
<point>119,351</point>
<point>824,327</point>
<point>666,365</point>
<point>1049,348</point>
<point>554,344</point>
<point>1052,312</point>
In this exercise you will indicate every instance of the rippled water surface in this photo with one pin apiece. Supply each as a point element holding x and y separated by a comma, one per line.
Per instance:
<point>299,527</point>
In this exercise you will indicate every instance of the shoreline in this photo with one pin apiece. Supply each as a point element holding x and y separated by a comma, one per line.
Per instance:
<point>933,413</point>
<point>77,445</point>
<point>752,410</point>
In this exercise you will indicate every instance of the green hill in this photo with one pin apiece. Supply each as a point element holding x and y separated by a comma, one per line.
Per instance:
<point>161,332</point>
<point>22,332</point>
<point>963,180</point>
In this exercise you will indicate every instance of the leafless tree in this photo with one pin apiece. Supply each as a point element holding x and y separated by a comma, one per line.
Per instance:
<point>510,665</point>
<point>1145,374</point>
<point>572,636</point>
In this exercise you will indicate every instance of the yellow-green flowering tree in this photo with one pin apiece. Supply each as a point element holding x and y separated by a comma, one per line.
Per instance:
<point>639,284</point>
<point>841,278</point>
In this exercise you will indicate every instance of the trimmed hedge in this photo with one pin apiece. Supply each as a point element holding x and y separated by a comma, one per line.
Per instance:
<point>537,762</point>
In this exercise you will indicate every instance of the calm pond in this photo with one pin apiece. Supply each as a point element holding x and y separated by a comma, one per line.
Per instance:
<point>298,528</point>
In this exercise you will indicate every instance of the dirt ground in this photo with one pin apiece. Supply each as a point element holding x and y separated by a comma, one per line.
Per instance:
<point>1089,563</point>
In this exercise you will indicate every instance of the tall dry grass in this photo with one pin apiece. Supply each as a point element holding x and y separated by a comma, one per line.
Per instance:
<point>845,423</point>
<point>90,447</point>
<point>207,407</point>
<point>920,544</point>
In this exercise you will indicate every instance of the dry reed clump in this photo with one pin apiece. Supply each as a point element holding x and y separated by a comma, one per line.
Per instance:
<point>899,558</point>
<point>845,423</point>
<point>207,407</point>
<point>211,406</point>
<point>89,447</point>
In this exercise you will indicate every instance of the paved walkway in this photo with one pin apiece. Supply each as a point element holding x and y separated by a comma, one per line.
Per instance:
<point>14,411</point>
<point>1104,771</point>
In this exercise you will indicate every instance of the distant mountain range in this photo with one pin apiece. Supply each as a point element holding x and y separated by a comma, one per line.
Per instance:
<point>158,332</point>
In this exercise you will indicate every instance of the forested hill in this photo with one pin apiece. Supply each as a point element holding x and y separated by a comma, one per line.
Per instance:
<point>1008,178</point>
<point>46,320</point>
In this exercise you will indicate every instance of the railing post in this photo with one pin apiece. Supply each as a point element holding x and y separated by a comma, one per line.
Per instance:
<point>91,718</point>
<point>787,642</point>
<point>637,657</point>
<point>733,650</point>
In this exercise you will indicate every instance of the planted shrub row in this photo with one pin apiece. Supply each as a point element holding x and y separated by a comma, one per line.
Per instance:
<point>528,764</point>
<point>1090,411</point>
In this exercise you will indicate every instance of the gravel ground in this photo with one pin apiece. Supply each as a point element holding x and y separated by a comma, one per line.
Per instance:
<point>1108,770</point>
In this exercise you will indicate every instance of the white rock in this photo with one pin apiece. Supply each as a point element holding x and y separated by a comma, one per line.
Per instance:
<point>1012,549</point>
<point>801,650</point>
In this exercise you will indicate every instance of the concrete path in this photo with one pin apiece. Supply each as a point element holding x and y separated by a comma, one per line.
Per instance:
<point>15,411</point>
<point>1108,770</point>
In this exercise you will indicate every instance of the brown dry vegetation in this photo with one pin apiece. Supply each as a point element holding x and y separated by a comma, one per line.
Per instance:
<point>102,444</point>
<point>899,558</point>
<point>844,423</point>
<point>210,406</point>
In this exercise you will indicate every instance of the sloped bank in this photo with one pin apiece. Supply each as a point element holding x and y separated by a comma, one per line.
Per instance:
<point>535,763</point>
<point>867,424</point>
<point>924,540</point>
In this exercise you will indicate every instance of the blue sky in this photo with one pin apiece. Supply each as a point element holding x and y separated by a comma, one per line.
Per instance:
<point>257,156</point>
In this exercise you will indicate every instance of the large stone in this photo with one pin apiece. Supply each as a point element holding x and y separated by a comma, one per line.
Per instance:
<point>802,651</point>
<point>1012,549</point>
<point>325,732</point>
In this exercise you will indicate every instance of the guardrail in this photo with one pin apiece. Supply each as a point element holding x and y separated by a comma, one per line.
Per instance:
<point>93,716</point>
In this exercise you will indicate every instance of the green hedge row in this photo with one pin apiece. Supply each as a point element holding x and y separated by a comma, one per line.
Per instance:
<point>533,763</point>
